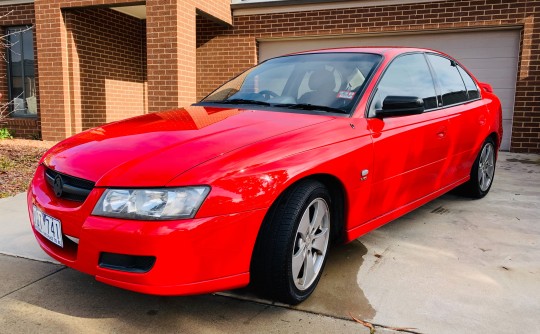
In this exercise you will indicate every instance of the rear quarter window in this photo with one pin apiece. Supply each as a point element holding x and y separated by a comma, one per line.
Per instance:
<point>472,88</point>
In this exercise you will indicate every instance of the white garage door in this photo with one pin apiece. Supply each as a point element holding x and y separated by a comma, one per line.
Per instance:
<point>492,56</point>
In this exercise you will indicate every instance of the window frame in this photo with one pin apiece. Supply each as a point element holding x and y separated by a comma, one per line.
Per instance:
<point>469,100</point>
<point>9,31</point>
<point>435,82</point>
<point>462,68</point>
<point>376,87</point>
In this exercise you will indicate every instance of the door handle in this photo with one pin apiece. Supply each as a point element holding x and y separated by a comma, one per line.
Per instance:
<point>442,132</point>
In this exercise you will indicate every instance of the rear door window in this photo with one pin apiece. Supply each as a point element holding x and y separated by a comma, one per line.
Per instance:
<point>452,86</point>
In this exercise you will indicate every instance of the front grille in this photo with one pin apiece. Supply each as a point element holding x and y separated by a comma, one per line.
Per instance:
<point>73,188</point>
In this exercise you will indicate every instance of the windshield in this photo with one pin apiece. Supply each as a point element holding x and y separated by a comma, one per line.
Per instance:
<point>328,82</point>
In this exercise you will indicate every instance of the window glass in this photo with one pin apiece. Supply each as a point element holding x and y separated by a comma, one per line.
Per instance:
<point>472,89</point>
<point>273,80</point>
<point>452,87</point>
<point>21,79</point>
<point>304,84</point>
<point>408,75</point>
<point>250,83</point>
<point>319,82</point>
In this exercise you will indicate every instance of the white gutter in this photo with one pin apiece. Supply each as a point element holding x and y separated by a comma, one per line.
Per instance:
<point>254,7</point>
<point>14,2</point>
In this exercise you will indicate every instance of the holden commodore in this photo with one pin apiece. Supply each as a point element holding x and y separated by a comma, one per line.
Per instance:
<point>253,183</point>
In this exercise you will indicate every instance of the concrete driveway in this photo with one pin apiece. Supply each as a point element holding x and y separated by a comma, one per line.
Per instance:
<point>454,265</point>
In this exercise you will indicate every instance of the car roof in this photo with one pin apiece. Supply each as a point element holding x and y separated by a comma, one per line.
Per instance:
<point>382,50</point>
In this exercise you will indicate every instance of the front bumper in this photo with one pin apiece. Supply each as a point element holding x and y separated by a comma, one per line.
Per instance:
<point>192,256</point>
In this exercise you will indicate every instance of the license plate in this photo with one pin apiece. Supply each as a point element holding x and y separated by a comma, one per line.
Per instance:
<point>47,226</point>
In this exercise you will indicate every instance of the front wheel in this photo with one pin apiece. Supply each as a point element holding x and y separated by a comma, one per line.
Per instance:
<point>293,243</point>
<point>482,172</point>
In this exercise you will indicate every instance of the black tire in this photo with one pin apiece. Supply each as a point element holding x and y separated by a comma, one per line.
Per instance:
<point>474,188</point>
<point>272,262</point>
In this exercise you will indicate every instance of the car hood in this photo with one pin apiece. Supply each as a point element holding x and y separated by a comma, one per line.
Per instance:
<point>150,150</point>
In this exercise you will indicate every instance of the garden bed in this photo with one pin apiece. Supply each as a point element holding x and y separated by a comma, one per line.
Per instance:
<point>18,161</point>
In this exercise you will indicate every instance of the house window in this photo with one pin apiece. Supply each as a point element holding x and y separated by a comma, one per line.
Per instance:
<point>21,71</point>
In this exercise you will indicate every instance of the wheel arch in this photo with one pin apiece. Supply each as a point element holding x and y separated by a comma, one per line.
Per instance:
<point>263,254</point>
<point>339,198</point>
<point>495,137</point>
<point>339,203</point>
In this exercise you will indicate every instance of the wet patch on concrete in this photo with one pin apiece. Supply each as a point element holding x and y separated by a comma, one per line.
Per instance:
<point>338,293</point>
<point>380,258</point>
<point>525,161</point>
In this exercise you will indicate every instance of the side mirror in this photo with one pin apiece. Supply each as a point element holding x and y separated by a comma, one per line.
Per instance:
<point>401,106</point>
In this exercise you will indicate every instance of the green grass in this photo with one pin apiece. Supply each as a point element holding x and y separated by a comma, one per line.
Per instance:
<point>5,134</point>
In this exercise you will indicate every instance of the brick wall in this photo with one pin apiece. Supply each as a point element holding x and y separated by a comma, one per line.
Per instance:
<point>225,52</point>
<point>170,30</point>
<point>107,61</point>
<point>18,15</point>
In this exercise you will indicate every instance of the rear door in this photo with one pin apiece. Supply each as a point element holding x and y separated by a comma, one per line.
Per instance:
<point>467,114</point>
<point>410,151</point>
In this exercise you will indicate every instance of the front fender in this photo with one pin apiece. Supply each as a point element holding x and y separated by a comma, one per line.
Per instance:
<point>253,177</point>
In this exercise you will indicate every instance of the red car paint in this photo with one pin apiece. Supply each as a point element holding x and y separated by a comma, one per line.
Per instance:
<point>248,157</point>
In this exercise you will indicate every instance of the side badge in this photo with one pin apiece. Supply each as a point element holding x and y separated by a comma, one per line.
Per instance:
<point>365,173</point>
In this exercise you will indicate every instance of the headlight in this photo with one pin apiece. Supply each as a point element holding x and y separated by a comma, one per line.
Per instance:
<point>151,204</point>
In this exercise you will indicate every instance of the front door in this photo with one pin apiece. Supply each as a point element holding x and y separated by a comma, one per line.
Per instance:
<point>409,151</point>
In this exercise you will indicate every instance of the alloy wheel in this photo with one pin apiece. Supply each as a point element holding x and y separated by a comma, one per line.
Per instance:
<point>486,167</point>
<point>311,244</point>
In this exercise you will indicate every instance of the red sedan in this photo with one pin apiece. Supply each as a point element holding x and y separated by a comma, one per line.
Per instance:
<point>253,183</point>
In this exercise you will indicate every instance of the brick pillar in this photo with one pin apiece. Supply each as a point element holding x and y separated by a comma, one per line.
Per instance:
<point>51,40</point>
<point>171,45</point>
<point>163,57</point>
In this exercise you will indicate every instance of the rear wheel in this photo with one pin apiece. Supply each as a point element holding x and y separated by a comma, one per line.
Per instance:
<point>482,172</point>
<point>293,243</point>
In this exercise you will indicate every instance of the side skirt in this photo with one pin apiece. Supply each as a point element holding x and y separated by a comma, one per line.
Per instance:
<point>358,231</point>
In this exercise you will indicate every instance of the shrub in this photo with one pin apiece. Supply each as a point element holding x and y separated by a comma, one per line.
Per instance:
<point>5,134</point>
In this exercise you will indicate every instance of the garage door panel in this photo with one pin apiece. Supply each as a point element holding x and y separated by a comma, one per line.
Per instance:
<point>493,73</point>
<point>496,80</point>
<point>490,55</point>
<point>482,64</point>
<point>468,53</point>
<point>482,39</point>
<point>507,124</point>
<point>507,101</point>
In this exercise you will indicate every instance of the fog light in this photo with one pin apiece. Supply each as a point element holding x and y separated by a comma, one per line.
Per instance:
<point>128,263</point>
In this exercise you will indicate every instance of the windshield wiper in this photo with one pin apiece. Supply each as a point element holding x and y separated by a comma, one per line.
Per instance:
<point>307,106</point>
<point>243,101</point>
